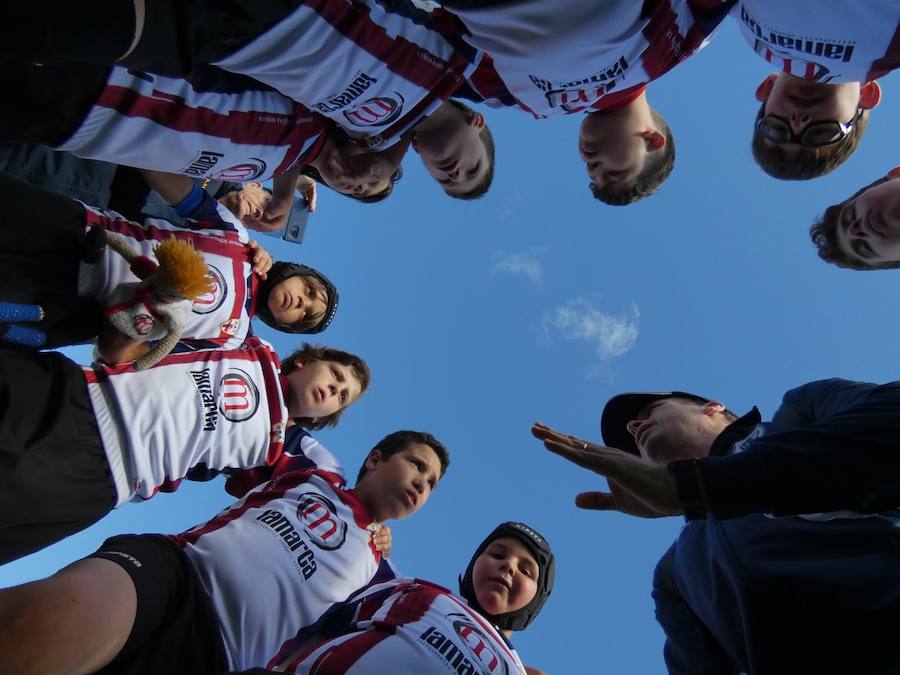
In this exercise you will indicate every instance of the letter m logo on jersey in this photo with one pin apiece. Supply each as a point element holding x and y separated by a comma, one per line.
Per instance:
<point>375,112</point>
<point>319,518</point>
<point>480,646</point>
<point>238,396</point>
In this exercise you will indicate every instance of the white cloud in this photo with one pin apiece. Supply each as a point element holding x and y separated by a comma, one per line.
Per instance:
<point>527,265</point>
<point>612,335</point>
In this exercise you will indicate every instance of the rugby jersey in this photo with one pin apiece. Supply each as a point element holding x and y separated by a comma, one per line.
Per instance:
<point>219,318</point>
<point>566,56</point>
<point>166,124</point>
<point>190,416</point>
<point>404,627</point>
<point>374,68</point>
<point>280,557</point>
<point>831,42</point>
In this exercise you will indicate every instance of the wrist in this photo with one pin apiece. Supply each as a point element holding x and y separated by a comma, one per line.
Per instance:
<point>691,488</point>
<point>190,202</point>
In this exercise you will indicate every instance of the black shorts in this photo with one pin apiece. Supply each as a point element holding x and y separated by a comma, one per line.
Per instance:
<point>54,475</point>
<point>175,628</point>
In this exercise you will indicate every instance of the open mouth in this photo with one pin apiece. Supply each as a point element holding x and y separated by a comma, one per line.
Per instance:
<point>411,498</point>
<point>502,582</point>
<point>320,394</point>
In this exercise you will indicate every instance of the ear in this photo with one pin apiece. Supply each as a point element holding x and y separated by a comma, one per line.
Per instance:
<point>298,363</point>
<point>476,120</point>
<point>869,95</point>
<point>895,172</point>
<point>765,88</point>
<point>713,407</point>
<point>414,142</point>
<point>373,460</point>
<point>655,140</point>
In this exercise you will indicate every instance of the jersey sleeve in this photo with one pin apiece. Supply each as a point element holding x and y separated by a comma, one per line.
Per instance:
<point>848,460</point>
<point>301,452</point>
<point>818,400</point>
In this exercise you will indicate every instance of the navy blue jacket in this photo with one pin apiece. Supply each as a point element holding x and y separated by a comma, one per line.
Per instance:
<point>764,595</point>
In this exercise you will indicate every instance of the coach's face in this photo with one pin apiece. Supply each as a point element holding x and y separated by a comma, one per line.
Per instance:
<point>615,147</point>
<point>676,428</point>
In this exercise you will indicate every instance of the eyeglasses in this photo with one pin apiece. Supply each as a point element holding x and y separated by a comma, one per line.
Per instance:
<point>815,135</point>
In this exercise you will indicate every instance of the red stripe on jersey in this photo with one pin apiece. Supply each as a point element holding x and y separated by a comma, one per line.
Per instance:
<point>338,659</point>
<point>412,605</point>
<point>92,376</point>
<point>890,61</point>
<point>666,47</point>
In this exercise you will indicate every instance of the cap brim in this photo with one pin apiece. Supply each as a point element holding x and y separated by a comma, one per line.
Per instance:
<point>621,409</point>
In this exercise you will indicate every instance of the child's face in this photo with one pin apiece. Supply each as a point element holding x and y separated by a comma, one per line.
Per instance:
<point>397,486</point>
<point>248,203</point>
<point>453,152</point>
<point>869,226</point>
<point>350,170</point>
<point>615,148</point>
<point>297,298</point>
<point>505,576</point>
<point>320,388</point>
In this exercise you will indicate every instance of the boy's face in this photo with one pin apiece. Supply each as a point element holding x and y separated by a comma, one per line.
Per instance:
<point>397,486</point>
<point>352,171</point>
<point>453,152</point>
<point>674,428</point>
<point>615,148</point>
<point>505,576</point>
<point>248,203</point>
<point>869,226</point>
<point>297,298</point>
<point>800,103</point>
<point>320,388</point>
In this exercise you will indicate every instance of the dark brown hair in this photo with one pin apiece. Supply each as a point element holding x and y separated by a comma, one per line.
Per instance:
<point>824,235</point>
<point>308,353</point>
<point>656,170</point>
<point>804,163</point>
<point>400,440</point>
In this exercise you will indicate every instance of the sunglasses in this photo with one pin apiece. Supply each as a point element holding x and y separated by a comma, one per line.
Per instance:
<point>815,135</point>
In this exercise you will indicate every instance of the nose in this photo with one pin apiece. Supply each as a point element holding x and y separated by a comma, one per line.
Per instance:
<point>418,484</point>
<point>799,121</point>
<point>332,389</point>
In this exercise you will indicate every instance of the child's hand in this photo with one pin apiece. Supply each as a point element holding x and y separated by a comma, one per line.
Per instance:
<point>260,259</point>
<point>114,347</point>
<point>306,186</point>
<point>382,541</point>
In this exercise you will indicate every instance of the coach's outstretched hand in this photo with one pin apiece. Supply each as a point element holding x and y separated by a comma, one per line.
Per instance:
<point>637,486</point>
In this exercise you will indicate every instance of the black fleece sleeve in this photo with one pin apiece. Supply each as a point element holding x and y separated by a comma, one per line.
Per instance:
<point>847,460</point>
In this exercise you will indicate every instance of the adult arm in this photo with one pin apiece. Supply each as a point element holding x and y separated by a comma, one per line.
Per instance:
<point>849,460</point>
<point>690,648</point>
<point>815,401</point>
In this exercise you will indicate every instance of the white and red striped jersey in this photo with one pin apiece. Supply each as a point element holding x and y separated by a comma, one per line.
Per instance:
<point>374,68</point>
<point>402,627</point>
<point>219,318</point>
<point>566,56</point>
<point>168,124</point>
<point>279,558</point>
<point>826,42</point>
<point>192,415</point>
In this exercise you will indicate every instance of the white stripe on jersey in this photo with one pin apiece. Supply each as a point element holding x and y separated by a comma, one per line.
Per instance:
<point>829,43</point>
<point>164,124</point>
<point>565,56</point>
<point>276,560</point>
<point>375,69</point>
<point>410,627</point>
<point>221,315</point>
<point>211,410</point>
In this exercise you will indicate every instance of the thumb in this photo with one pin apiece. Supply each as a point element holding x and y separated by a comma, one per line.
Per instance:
<point>596,501</point>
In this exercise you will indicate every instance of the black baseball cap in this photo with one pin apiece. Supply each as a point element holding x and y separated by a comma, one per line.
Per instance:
<point>621,409</point>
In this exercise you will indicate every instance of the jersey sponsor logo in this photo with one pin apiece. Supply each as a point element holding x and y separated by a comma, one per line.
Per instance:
<point>349,94</point>
<point>280,525</point>
<point>230,327</point>
<point>238,396</point>
<point>788,63</point>
<point>578,94</point>
<point>207,397</point>
<point>202,163</point>
<point>142,324</point>
<point>250,170</point>
<point>319,518</point>
<point>211,300</point>
<point>474,657</point>
<point>375,112</point>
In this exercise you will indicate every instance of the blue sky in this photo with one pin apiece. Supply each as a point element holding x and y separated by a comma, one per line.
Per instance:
<point>539,303</point>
